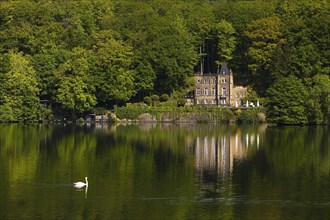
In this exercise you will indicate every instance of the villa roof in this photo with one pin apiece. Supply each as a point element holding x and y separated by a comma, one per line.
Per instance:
<point>224,69</point>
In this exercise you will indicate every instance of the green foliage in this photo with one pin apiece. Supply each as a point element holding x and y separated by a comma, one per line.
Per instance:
<point>250,115</point>
<point>164,98</point>
<point>113,78</point>
<point>46,113</point>
<point>155,98</point>
<point>319,102</point>
<point>181,102</point>
<point>191,113</point>
<point>100,110</point>
<point>45,66</point>
<point>226,40</point>
<point>6,114</point>
<point>169,103</point>
<point>144,77</point>
<point>240,13</point>
<point>225,115</point>
<point>19,90</point>
<point>74,94</point>
<point>264,36</point>
<point>131,112</point>
<point>75,91</point>
<point>117,51</point>
<point>147,100</point>
<point>287,99</point>
<point>251,96</point>
<point>175,57</point>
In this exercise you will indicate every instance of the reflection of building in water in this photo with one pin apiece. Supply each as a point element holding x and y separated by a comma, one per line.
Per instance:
<point>218,153</point>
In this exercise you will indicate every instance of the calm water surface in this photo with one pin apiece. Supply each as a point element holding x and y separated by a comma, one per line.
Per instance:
<point>164,171</point>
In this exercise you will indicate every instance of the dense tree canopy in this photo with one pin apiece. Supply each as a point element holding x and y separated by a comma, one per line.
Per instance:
<point>87,53</point>
<point>19,89</point>
<point>287,101</point>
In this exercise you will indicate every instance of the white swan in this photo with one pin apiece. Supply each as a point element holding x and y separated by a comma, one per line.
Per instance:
<point>81,184</point>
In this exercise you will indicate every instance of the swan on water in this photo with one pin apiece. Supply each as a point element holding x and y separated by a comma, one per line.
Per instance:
<point>81,184</point>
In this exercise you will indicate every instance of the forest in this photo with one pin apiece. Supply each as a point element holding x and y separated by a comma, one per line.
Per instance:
<point>76,55</point>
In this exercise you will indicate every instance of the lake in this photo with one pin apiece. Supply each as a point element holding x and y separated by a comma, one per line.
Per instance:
<point>164,171</point>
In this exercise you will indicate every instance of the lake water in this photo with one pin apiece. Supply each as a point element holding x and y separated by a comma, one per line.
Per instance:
<point>149,171</point>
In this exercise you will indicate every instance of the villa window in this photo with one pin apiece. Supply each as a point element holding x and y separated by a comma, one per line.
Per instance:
<point>213,91</point>
<point>224,91</point>
<point>206,91</point>
<point>198,91</point>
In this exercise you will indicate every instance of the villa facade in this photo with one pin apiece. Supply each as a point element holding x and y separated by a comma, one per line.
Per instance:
<point>217,89</point>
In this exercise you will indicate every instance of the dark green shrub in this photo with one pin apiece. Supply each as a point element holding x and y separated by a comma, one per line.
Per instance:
<point>248,116</point>
<point>169,103</point>
<point>155,98</point>
<point>164,98</point>
<point>129,112</point>
<point>147,100</point>
<point>225,115</point>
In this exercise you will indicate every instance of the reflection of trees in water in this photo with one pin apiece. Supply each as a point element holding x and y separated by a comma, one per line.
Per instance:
<point>221,162</point>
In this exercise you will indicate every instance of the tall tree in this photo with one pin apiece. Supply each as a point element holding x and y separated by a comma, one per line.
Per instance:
<point>226,40</point>
<point>306,27</point>
<point>75,91</point>
<point>174,57</point>
<point>19,89</point>
<point>287,101</point>
<point>319,100</point>
<point>113,78</point>
<point>264,36</point>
